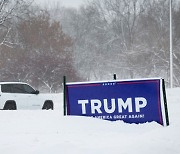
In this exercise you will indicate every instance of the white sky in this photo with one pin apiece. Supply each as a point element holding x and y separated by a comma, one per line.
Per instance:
<point>66,3</point>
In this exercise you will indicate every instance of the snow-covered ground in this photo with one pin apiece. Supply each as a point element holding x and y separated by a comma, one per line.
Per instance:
<point>48,132</point>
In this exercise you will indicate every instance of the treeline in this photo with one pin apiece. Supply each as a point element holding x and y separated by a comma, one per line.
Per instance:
<point>103,37</point>
<point>34,48</point>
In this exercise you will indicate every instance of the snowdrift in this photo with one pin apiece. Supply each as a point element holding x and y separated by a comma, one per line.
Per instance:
<point>49,132</point>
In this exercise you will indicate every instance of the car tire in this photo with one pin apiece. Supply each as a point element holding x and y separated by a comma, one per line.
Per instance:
<point>48,105</point>
<point>10,105</point>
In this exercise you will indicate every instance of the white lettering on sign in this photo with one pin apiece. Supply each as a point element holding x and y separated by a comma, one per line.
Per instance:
<point>83,104</point>
<point>113,106</point>
<point>140,105</point>
<point>125,105</point>
<point>96,105</point>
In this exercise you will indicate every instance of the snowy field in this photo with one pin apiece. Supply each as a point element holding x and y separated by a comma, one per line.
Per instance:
<point>48,132</point>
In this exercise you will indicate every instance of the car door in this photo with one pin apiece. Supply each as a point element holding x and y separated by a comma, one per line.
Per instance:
<point>6,94</point>
<point>20,96</point>
<point>34,102</point>
<point>26,97</point>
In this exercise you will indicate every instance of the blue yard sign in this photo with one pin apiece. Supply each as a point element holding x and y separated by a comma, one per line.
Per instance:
<point>133,101</point>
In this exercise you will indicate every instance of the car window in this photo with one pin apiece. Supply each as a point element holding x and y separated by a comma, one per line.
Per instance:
<point>6,88</point>
<point>18,88</point>
<point>28,89</point>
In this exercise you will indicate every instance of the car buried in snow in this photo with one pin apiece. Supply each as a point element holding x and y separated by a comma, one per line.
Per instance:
<point>20,95</point>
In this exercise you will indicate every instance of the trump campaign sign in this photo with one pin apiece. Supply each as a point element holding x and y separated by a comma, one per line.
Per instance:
<point>133,101</point>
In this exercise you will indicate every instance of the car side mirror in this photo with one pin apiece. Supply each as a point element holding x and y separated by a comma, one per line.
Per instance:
<point>36,92</point>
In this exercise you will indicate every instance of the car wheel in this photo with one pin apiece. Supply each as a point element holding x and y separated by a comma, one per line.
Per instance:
<point>10,105</point>
<point>48,105</point>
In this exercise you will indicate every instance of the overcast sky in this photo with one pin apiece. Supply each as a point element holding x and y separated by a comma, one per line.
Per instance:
<point>66,3</point>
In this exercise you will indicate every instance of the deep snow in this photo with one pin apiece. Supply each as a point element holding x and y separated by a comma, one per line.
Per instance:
<point>49,132</point>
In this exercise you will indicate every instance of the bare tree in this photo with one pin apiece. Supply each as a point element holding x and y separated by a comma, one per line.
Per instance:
<point>47,51</point>
<point>10,11</point>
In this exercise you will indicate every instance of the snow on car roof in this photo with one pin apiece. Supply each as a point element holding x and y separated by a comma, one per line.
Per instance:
<point>9,82</point>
